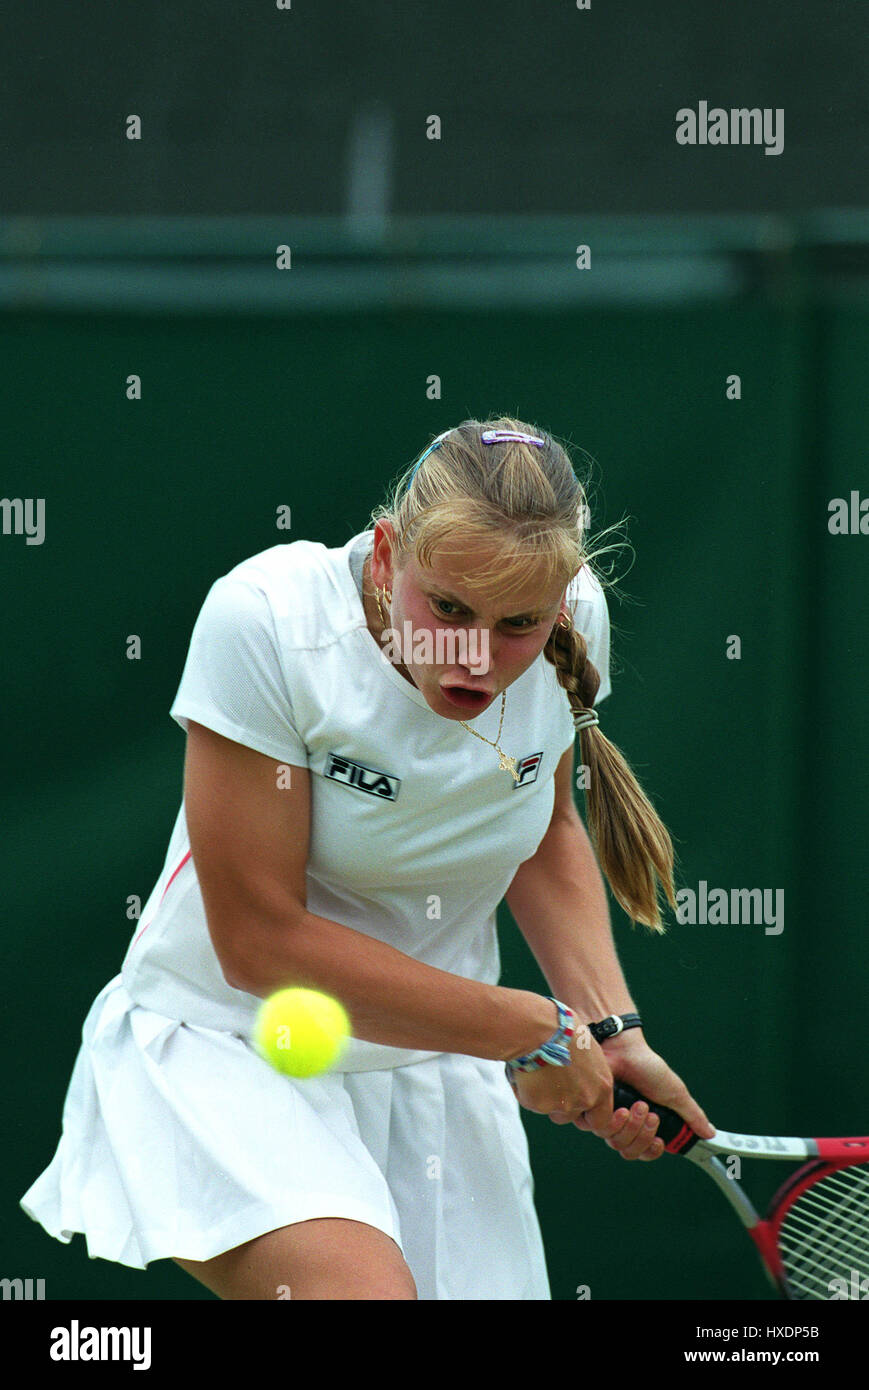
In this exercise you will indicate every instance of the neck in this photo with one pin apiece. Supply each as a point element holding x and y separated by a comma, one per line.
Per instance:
<point>372,616</point>
<point>369,604</point>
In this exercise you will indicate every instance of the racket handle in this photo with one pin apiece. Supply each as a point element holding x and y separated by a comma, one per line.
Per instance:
<point>678,1137</point>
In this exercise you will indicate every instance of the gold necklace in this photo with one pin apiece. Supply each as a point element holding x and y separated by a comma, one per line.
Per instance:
<point>505,763</point>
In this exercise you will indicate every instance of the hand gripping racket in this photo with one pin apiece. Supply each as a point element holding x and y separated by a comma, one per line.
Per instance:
<point>814,1239</point>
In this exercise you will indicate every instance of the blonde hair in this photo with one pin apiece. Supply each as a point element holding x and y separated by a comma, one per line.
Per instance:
<point>526,502</point>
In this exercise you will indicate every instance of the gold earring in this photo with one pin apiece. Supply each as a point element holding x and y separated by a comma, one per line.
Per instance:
<point>387,595</point>
<point>566,624</point>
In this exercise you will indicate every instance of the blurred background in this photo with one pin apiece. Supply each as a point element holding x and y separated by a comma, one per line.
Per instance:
<point>433,279</point>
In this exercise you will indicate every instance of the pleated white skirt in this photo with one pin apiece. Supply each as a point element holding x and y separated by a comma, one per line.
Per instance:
<point>180,1141</point>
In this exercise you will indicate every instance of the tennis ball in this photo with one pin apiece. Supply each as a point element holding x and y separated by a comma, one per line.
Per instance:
<point>301,1032</point>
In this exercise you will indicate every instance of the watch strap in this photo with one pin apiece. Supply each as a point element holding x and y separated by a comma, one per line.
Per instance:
<point>612,1025</point>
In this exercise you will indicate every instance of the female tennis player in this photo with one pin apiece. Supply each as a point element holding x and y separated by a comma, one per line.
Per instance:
<point>361,791</point>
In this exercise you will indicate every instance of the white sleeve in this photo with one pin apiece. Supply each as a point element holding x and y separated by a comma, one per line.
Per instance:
<point>233,681</point>
<point>587,602</point>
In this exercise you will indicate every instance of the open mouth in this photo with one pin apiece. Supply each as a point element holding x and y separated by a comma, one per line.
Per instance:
<point>463,698</point>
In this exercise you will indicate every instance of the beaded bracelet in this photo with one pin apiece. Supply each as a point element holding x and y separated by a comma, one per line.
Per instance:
<point>555,1052</point>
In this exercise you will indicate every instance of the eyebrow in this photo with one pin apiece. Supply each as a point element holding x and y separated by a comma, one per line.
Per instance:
<point>436,592</point>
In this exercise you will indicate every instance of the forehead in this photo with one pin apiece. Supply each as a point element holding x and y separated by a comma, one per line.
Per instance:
<point>483,576</point>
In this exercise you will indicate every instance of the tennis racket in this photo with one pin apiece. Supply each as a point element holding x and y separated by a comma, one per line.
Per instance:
<point>814,1239</point>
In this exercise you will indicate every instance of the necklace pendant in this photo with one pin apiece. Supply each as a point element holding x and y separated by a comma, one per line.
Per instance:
<point>506,764</point>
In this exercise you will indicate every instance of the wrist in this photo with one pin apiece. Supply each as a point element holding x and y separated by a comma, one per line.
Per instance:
<point>537,1022</point>
<point>625,1042</point>
<point>556,1050</point>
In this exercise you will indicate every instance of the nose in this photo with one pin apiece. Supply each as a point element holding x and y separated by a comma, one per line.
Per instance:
<point>477,659</point>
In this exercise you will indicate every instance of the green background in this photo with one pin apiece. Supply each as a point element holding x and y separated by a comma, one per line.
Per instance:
<point>757,766</point>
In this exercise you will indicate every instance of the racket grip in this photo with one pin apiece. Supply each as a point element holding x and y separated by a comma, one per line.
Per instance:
<point>678,1137</point>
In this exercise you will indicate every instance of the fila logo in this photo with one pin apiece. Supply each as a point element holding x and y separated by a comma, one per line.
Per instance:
<point>367,779</point>
<point>528,769</point>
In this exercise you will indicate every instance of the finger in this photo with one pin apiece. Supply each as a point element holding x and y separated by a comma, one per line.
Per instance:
<point>600,1117</point>
<point>687,1108</point>
<point>653,1152</point>
<point>622,1123</point>
<point>696,1118</point>
<point>579,1118</point>
<point>638,1137</point>
<point>618,1126</point>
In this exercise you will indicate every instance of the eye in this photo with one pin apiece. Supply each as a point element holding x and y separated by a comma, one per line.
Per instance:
<point>517,624</point>
<point>440,601</point>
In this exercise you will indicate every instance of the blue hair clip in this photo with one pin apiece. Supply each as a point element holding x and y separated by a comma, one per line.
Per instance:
<point>435,444</point>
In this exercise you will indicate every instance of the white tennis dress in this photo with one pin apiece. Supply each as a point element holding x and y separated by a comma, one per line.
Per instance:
<point>178,1140</point>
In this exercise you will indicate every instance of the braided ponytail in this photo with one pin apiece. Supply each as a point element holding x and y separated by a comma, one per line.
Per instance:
<point>629,839</point>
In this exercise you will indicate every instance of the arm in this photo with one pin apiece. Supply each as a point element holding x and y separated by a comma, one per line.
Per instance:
<point>560,906</point>
<point>559,902</point>
<point>249,839</point>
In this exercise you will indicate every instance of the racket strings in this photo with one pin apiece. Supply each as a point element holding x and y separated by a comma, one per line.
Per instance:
<point>825,1236</point>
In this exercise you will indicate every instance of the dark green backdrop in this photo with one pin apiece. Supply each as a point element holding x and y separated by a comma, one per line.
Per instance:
<point>757,765</point>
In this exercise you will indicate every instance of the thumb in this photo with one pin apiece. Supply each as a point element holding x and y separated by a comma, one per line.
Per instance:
<point>694,1116</point>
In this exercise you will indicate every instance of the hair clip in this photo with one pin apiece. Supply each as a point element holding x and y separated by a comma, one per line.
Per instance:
<point>505,436</point>
<point>435,444</point>
<point>488,437</point>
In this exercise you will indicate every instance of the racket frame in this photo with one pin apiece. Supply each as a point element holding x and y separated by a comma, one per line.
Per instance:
<point>825,1156</point>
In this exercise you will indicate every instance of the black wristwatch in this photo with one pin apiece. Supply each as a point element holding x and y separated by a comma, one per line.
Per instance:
<point>609,1027</point>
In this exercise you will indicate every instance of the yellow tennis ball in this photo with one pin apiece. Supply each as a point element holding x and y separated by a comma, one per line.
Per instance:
<point>301,1032</point>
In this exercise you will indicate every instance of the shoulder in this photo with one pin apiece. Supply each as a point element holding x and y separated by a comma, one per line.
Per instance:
<point>587,601</point>
<point>282,570</point>
<point>298,589</point>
